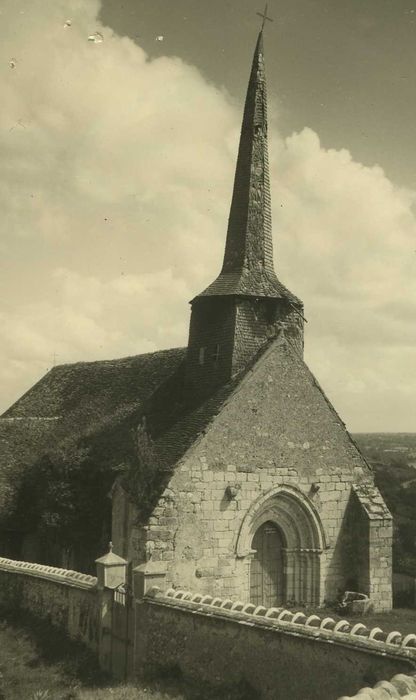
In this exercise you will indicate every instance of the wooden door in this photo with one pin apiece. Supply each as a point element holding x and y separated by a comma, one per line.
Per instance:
<point>266,572</point>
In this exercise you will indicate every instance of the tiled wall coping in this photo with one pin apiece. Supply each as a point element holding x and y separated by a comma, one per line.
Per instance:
<point>400,686</point>
<point>50,573</point>
<point>323,629</point>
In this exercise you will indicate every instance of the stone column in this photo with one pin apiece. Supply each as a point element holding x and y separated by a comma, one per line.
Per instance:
<point>304,589</point>
<point>289,573</point>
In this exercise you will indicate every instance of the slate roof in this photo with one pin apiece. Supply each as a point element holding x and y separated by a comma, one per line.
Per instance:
<point>98,387</point>
<point>102,403</point>
<point>248,260</point>
<point>75,399</point>
<point>258,283</point>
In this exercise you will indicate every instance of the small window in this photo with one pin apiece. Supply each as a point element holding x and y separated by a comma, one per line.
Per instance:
<point>201,357</point>
<point>216,355</point>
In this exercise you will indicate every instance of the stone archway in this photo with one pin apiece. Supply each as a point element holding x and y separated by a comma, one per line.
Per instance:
<point>303,540</point>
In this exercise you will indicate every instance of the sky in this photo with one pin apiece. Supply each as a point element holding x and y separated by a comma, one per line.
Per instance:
<point>118,136</point>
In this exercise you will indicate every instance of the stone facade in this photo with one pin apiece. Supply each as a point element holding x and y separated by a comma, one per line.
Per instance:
<point>278,452</point>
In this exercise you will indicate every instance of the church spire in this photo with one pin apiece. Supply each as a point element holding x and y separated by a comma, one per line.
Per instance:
<point>246,306</point>
<point>248,261</point>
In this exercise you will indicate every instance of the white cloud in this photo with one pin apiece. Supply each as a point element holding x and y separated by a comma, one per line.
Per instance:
<point>89,319</point>
<point>115,187</point>
<point>347,238</point>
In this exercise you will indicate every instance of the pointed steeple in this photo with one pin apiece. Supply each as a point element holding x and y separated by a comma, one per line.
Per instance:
<point>248,261</point>
<point>247,306</point>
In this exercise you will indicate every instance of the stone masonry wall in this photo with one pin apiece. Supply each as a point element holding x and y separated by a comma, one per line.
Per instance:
<point>268,654</point>
<point>381,560</point>
<point>66,599</point>
<point>277,429</point>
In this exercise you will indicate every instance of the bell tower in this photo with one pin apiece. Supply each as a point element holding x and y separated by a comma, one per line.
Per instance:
<point>246,305</point>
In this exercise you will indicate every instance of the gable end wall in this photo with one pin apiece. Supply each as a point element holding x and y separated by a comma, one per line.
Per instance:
<point>276,429</point>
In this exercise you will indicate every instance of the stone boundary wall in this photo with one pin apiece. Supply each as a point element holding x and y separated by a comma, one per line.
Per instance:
<point>270,652</point>
<point>52,573</point>
<point>67,600</point>
<point>342,632</point>
<point>400,686</point>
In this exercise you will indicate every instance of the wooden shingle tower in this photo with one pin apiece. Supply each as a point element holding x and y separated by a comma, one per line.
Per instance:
<point>246,305</point>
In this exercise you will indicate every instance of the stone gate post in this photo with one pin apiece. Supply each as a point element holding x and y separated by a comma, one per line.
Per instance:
<point>111,573</point>
<point>147,576</point>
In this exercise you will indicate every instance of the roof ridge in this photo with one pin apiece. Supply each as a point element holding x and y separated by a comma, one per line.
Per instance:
<point>116,360</point>
<point>55,372</point>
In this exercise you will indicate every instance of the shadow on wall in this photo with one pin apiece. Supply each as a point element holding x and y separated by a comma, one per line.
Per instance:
<point>350,553</point>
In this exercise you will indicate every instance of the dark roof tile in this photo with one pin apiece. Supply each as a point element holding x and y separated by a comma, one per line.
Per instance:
<point>78,400</point>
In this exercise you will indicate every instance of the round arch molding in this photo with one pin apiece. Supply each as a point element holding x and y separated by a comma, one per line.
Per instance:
<point>296,517</point>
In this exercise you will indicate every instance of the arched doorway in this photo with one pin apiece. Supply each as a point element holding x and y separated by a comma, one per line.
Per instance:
<point>282,538</point>
<point>267,579</point>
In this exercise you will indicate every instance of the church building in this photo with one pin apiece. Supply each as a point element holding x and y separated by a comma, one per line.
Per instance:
<point>228,468</point>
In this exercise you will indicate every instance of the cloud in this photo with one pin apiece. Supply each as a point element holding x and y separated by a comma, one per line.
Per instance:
<point>347,238</point>
<point>116,180</point>
<point>112,188</point>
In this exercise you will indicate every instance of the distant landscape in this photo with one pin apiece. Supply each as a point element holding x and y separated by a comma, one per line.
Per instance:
<point>397,448</point>
<point>392,457</point>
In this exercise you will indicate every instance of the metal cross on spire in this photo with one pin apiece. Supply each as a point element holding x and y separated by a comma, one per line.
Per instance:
<point>264,16</point>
